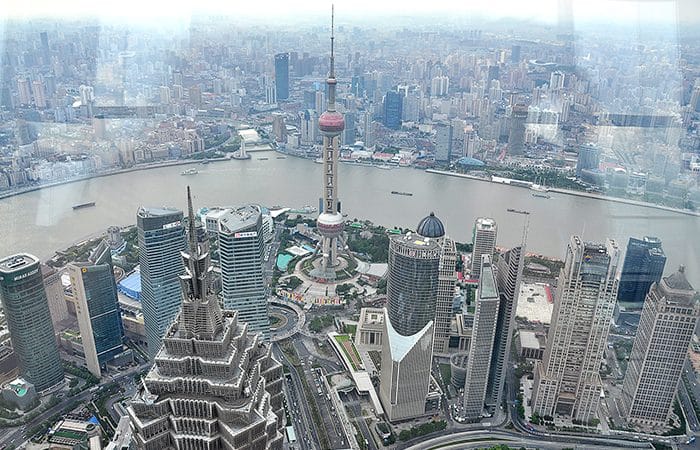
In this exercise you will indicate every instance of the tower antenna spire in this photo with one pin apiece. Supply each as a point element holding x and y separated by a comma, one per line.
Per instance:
<point>332,74</point>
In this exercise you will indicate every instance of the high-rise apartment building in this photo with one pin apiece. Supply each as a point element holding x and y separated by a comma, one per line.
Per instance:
<point>214,383</point>
<point>161,237</point>
<point>97,308</point>
<point>660,350</point>
<point>482,341</point>
<point>29,320</point>
<point>279,127</point>
<point>195,96</point>
<point>39,95</point>
<point>516,137</point>
<point>483,242</point>
<point>241,245</point>
<point>556,81</point>
<point>282,76</point>
<point>567,381</point>
<point>509,271</point>
<point>25,93</point>
<point>644,265</point>
<point>165,95</point>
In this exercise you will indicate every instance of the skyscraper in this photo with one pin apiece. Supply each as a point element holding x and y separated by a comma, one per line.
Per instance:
<point>350,131</point>
<point>368,136</point>
<point>420,289</point>
<point>97,308</point>
<point>214,384</point>
<point>25,94</point>
<point>279,127</point>
<point>588,158</point>
<point>412,282</point>
<point>567,381</point>
<point>644,265</point>
<point>45,52</point>
<point>443,143</point>
<point>330,221</point>
<point>282,76</point>
<point>39,96</point>
<point>516,137</point>
<point>55,295</point>
<point>447,278</point>
<point>405,372</point>
<point>29,320</point>
<point>393,105</point>
<point>667,324</point>
<point>241,245</point>
<point>483,242</point>
<point>482,341</point>
<point>508,275</point>
<point>515,54</point>
<point>195,96</point>
<point>161,237</point>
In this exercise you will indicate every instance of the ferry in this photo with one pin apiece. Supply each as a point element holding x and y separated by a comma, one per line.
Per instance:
<point>84,205</point>
<point>409,194</point>
<point>189,172</point>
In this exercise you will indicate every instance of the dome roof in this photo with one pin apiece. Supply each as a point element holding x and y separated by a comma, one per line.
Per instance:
<point>431,227</point>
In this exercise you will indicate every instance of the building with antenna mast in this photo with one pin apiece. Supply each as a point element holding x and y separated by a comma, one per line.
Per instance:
<point>330,220</point>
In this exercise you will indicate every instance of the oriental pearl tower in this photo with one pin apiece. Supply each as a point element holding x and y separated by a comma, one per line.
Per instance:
<point>330,221</point>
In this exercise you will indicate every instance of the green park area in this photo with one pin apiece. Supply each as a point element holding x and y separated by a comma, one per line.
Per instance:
<point>350,351</point>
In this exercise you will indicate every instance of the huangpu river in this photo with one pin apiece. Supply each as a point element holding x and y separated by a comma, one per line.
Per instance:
<point>43,221</point>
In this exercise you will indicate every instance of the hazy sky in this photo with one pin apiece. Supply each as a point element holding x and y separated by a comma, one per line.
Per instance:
<point>633,11</point>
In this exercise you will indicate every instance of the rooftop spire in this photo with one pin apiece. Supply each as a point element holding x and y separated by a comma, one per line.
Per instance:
<point>191,228</point>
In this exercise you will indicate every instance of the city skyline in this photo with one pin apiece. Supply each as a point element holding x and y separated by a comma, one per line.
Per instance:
<point>302,304</point>
<point>549,11</point>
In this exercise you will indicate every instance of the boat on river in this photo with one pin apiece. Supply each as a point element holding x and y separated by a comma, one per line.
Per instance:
<point>84,205</point>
